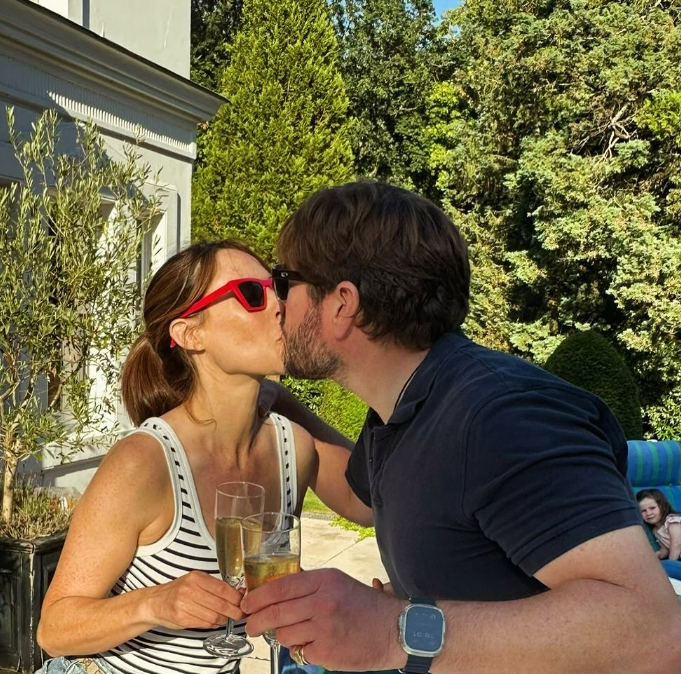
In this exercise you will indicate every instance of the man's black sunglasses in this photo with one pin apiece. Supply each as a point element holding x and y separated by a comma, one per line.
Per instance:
<point>281,280</point>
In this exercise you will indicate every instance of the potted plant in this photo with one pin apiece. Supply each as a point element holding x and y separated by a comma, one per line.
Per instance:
<point>70,236</point>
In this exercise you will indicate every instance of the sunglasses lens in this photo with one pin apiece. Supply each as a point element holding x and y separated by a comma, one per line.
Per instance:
<point>253,293</point>
<point>280,287</point>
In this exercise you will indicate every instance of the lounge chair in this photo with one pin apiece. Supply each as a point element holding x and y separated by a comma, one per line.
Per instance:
<point>657,465</point>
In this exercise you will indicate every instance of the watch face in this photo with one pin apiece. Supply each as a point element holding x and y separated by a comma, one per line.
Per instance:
<point>423,629</point>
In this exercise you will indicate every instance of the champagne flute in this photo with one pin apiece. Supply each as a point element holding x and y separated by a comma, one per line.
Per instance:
<point>271,551</point>
<point>233,502</point>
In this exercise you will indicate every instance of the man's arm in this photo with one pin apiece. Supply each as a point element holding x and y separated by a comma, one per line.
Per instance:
<point>610,610</point>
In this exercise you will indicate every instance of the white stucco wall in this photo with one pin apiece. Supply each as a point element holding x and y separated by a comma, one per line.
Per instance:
<point>47,63</point>
<point>157,30</point>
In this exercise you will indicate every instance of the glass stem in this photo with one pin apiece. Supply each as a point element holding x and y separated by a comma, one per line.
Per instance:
<point>234,581</point>
<point>274,657</point>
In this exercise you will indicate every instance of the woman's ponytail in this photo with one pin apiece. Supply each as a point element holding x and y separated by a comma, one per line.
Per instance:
<point>145,390</point>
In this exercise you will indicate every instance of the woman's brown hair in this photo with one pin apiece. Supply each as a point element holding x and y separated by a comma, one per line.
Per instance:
<point>156,378</point>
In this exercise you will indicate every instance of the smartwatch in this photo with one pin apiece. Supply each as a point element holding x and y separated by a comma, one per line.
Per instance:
<point>421,629</point>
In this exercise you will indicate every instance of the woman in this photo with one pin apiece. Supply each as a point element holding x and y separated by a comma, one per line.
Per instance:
<point>138,583</point>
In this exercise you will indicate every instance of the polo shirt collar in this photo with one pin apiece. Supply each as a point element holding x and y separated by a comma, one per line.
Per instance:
<point>424,377</point>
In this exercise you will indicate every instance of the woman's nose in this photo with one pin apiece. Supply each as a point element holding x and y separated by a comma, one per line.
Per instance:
<point>276,305</point>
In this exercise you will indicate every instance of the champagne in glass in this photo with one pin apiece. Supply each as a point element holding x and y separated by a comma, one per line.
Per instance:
<point>261,569</point>
<point>233,502</point>
<point>228,548</point>
<point>271,544</point>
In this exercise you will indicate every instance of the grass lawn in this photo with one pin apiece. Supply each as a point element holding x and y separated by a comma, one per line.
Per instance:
<point>312,504</point>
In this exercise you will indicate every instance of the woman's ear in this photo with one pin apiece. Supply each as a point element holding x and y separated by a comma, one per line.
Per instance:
<point>185,335</point>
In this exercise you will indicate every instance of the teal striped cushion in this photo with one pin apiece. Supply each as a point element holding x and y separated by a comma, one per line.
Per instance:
<point>656,465</point>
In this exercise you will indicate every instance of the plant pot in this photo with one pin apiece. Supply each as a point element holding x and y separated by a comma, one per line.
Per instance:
<point>26,569</point>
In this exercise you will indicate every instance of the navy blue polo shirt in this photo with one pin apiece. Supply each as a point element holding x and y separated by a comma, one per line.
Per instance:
<point>488,469</point>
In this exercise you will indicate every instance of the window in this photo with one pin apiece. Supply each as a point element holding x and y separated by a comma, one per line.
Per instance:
<point>152,252</point>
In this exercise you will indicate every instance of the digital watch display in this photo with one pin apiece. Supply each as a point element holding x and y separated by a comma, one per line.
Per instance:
<point>422,631</point>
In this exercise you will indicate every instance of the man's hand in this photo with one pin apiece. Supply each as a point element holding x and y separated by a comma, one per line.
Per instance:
<point>343,624</point>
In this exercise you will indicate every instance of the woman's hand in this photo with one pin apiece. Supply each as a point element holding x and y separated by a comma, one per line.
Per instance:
<point>196,600</point>
<point>382,587</point>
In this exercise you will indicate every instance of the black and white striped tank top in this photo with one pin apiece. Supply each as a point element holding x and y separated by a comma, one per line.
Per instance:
<point>186,546</point>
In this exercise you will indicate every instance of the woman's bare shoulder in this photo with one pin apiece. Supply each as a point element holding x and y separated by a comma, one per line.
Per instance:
<point>135,462</point>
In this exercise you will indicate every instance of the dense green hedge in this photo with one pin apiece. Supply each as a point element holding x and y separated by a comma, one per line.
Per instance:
<point>342,410</point>
<point>337,406</point>
<point>589,361</point>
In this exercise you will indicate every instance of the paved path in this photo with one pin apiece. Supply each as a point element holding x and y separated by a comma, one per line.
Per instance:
<point>326,546</point>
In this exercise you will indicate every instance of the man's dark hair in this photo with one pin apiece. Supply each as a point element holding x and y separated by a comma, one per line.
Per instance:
<point>406,257</point>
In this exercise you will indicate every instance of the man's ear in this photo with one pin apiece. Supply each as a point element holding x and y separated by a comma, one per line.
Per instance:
<point>185,335</point>
<point>346,308</point>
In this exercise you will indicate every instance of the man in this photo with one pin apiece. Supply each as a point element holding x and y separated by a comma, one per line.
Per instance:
<point>498,491</point>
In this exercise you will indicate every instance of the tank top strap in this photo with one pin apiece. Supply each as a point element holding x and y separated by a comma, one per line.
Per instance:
<point>158,430</point>
<point>287,463</point>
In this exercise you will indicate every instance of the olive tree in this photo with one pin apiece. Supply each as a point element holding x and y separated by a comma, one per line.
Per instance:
<point>70,235</point>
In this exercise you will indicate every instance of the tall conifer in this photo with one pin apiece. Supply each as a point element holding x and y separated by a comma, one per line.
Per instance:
<point>284,131</point>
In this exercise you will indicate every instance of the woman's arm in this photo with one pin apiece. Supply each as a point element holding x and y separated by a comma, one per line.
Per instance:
<point>331,449</point>
<point>322,468</point>
<point>129,502</point>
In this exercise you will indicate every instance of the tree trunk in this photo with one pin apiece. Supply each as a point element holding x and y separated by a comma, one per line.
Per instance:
<point>8,474</point>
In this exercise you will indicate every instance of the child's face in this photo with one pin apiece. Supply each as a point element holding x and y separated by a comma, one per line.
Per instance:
<point>650,511</point>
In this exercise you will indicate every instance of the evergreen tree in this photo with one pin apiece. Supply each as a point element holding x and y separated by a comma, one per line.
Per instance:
<point>390,59</point>
<point>284,132</point>
<point>213,26</point>
<point>588,360</point>
<point>558,147</point>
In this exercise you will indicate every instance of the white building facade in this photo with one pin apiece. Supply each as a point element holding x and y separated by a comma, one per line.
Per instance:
<point>123,64</point>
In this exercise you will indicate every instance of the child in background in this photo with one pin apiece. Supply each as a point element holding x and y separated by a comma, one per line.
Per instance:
<point>664,523</point>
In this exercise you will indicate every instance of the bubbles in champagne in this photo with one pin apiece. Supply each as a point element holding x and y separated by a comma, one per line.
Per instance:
<point>264,568</point>
<point>228,547</point>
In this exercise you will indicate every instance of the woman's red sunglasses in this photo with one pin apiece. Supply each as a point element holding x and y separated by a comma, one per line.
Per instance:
<point>251,293</point>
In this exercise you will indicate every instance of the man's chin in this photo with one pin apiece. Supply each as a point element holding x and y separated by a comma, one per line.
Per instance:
<point>294,370</point>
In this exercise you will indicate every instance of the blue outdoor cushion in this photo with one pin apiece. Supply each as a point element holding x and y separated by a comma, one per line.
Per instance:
<point>656,465</point>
